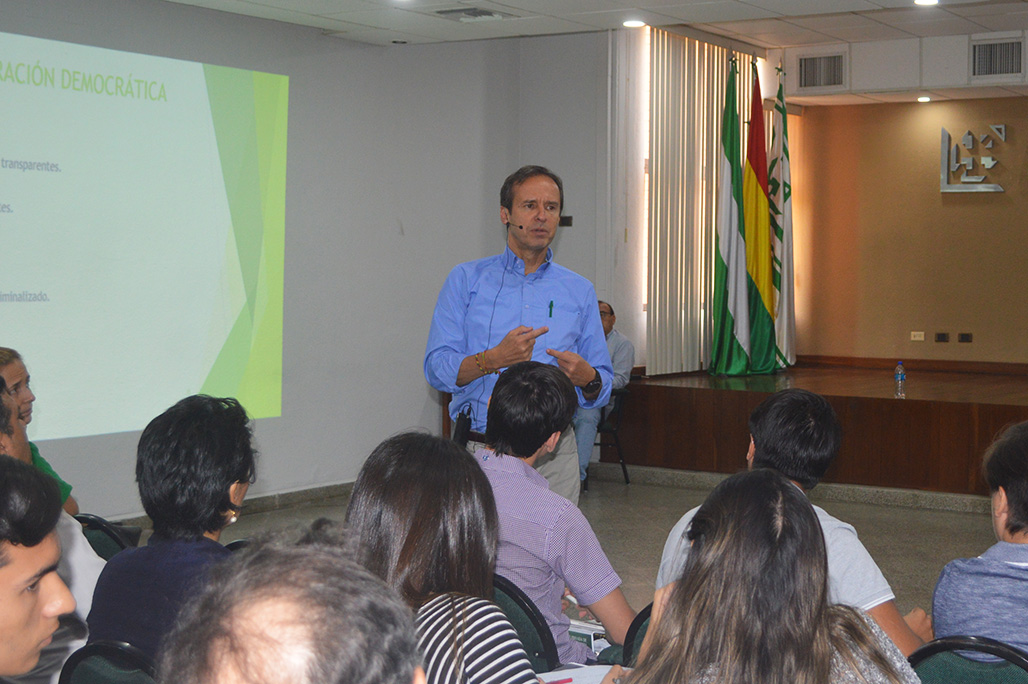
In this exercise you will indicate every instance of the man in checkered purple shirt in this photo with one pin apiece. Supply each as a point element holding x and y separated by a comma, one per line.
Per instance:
<point>545,541</point>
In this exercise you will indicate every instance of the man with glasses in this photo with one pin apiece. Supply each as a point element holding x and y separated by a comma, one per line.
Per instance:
<point>622,358</point>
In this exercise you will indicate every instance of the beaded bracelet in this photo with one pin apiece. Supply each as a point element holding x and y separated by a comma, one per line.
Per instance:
<point>480,362</point>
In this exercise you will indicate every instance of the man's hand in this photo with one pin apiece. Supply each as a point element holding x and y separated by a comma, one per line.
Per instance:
<point>920,624</point>
<point>574,366</point>
<point>897,627</point>
<point>515,346</point>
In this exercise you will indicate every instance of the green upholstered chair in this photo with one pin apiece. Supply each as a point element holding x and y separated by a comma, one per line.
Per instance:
<point>108,662</point>
<point>528,622</point>
<point>940,662</point>
<point>628,653</point>
<point>105,537</point>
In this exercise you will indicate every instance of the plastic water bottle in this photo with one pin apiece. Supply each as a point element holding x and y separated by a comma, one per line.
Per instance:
<point>901,381</point>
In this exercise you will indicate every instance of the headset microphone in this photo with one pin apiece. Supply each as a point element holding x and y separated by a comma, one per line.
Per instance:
<point>510,225</point>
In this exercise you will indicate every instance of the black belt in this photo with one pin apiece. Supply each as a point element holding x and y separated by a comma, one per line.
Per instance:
<point>476,436</point>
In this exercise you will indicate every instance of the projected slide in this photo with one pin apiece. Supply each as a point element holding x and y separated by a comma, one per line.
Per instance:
<point>142,218</point>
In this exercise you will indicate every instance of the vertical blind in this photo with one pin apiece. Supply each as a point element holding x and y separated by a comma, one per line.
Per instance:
<point>687,91</point>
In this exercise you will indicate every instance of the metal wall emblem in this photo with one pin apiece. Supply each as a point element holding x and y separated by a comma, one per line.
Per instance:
<point>971,168</point>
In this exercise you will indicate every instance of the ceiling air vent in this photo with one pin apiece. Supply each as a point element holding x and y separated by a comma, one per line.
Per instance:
<point>472,14</point>
<point>821,71</point>
<point>996,59</point>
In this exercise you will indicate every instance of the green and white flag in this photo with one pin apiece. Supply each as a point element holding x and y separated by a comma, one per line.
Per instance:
<point>731,333</point>
<point>780,194</point>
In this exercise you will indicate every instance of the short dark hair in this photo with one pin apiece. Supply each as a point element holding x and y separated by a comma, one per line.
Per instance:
<point>600,301</point>
<point>796,433</point>
<point>5,413</point>
<point>520,176</point>
<point>187,459</point>
<point>342,624</point>
<point>1006,465</point>
<point>423,518</point>
<point>30,505</point>
<point>530,402</point>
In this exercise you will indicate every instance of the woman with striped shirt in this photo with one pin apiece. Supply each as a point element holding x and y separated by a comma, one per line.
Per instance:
<point>422,517</point>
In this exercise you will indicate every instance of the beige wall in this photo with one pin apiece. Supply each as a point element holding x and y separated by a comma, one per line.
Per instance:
<point>880,252</point>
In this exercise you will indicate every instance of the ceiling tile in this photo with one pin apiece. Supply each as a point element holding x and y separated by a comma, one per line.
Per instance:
<point>944,27</point>
<point>383,37</point>
<point>1003,22</point>
<point>993,8</point>
<point>259,11</point>
<point>562,8</point>
<point>713,11</point>
<point>314,6</point>
<point>614,19</point>
<point>801,7</point>
<point>390,18</point>
<point>820,22</point>
<point>867,33</point>
<point>536,26</point>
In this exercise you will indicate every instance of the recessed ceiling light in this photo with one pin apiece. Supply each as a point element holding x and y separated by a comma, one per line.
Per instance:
<point>924,98</point>
<point>634,23</point>
<point>926,2</point>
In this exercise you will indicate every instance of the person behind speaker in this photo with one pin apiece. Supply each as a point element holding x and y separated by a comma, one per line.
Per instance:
<point>622,359</point>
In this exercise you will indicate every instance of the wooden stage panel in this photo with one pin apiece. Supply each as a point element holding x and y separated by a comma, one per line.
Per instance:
<point>933,440</point>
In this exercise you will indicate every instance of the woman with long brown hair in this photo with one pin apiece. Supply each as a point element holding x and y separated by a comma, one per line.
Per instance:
<point>423,518</point>
<point>751,604</point>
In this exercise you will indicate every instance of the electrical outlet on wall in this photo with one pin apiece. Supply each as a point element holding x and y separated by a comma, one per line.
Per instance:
<point>964,337</point>
<point>942,337</point>
<point>917,335</point>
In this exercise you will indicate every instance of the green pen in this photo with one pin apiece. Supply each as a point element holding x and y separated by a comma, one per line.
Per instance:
<point>551,308</point>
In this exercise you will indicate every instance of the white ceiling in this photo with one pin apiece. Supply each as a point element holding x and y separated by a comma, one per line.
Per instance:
<point>764,23</point>
<point>761,23</point>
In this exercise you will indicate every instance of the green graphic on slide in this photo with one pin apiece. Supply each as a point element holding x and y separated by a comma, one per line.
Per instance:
<point>250,112</point>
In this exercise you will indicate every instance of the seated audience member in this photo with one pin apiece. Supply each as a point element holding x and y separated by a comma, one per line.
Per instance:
<point>546,544</point>
<point>422,517</point>
<point>796,433</point>
<point>751,603</point>
<point>32,596</point>
<point>78,568</point>
<point>14,373</point>
<point>194,464</point>
<point>988,596</point>
<point>281,613</point>
<point>622,358</point>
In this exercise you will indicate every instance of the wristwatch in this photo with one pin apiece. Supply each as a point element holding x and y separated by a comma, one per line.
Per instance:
<point>593,385</point>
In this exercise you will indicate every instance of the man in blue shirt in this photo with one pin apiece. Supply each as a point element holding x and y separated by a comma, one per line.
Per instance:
<point>520,306</point>
<point>622,358</point>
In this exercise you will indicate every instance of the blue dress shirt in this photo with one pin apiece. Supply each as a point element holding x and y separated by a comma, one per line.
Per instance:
<point>483,300</point>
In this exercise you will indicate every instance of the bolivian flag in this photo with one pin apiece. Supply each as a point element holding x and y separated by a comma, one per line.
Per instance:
<point>757,220</point>
<point>730,346</point>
